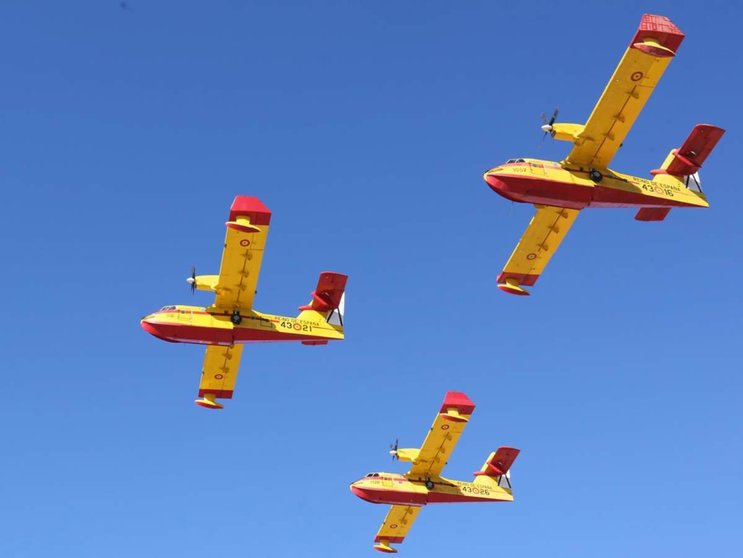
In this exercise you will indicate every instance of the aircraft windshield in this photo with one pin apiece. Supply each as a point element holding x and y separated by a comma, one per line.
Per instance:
<point>515,161</point>
<point>166,308</point>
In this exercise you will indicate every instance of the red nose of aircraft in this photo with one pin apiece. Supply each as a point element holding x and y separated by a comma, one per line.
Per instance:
<point>361,493</point>
<point>153,328</point>
<point>494,182</point>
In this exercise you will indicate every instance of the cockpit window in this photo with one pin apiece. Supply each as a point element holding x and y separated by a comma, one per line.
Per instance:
<point>166,308</point>
<point>515,161</point>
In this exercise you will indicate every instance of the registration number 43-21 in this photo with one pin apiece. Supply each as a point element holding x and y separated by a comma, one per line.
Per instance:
<point>295,326</point>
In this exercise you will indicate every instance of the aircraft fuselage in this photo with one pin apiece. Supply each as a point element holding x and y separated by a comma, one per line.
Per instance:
<point>549,183</point>
<point>195,324</point>
<point>395,489</point>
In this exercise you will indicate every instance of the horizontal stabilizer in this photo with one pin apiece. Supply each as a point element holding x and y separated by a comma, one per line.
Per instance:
<point>688,158</point>
<point>652,213</point>
<point>499,462</point>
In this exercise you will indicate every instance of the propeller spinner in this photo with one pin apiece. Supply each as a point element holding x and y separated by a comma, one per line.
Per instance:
<point>192,280</point>
<point>393,450</point>
<point>547,124</point>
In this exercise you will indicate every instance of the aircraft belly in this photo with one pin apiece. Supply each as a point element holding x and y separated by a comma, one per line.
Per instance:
<point>391,496</point>
<point>542,191</point>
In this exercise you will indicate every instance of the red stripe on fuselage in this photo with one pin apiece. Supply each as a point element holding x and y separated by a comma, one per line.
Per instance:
<point>536,190</point>
<point>405,498</point>
<point>188,333</point>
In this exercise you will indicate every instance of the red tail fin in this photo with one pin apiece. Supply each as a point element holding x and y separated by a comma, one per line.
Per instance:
<point>688,158</point>
<point>328,294</point>
<point>498,462</point>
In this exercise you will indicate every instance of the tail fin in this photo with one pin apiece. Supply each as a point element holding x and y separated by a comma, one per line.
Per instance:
<point>496,468</point>
<point>681,170</point>
<point>688,158</point>
<point>685,162</point>
<point>328,298</point>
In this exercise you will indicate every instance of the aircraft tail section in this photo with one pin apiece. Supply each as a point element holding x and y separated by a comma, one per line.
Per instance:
<point>688,158</point>
<point>328,298</point>
<point>496,470</point>
<point>679,172</point>
<point>684,163</point>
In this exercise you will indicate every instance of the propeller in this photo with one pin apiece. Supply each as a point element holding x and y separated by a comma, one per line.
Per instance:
<point>393,450</point>
<point>547,124</point>
<point>192,280</point>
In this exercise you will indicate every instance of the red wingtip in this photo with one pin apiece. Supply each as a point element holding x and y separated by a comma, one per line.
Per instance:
<point>252,208</point>
<point>658,29</point>
<point>459,401</point>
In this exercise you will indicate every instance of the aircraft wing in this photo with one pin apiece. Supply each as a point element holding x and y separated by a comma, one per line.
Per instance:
<point>395,527</point>
<point>537,245</point>
<point>219,374</point>
<point>647,57</point>
<point>443,436</point>
<point>247,231</point>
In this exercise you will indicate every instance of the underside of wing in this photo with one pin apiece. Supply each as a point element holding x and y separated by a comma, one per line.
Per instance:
<point>537,245</point>
<point>395,527</point>
<point>443,436</point>
<point>244,243</point>
<point>647,57</point>
<point>219,374</point>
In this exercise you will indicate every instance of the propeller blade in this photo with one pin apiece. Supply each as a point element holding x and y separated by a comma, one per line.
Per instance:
<point>192,280</point>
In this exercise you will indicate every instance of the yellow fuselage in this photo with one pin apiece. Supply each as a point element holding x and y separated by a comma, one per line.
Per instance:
<point>550,183</point>
<point>395,489</point>
<point>195,324</point>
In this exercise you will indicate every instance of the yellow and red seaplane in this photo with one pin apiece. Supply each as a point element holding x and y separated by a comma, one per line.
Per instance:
<point>423,483</point>
<point>231,320</point>
<point>561,190</point>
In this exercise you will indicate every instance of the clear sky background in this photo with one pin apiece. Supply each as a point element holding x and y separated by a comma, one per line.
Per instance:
<point>365,127</point>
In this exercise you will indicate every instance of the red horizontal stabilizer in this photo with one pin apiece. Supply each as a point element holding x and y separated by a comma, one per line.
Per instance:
<point>459,401</point>
<point>689,157</point>
<point>652,213</point>
<point>499,462</point>
<point>328,293</point>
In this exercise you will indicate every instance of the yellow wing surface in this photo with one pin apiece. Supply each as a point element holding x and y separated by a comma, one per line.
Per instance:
<point>395,527</point>
<point>235,286</point>
<point>537,245</point>
<point>219,374</point>
<point>244,242</point>
<point>647,57</point>
<point>442,437</point>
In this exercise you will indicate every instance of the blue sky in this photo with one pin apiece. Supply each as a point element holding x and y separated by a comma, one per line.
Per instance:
<point>366,128</point>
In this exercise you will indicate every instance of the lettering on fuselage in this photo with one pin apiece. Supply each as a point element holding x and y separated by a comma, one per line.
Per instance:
<point>471,488</point>
<point>296,325</point>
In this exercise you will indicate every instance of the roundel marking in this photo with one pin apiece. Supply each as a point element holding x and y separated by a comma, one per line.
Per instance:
<point>393,526</point>
<point>297,326</point>
<point>531,256</point>
<point>444,427</point>
<point>637,76</point>
<point>218,376</point>
<point>244,242</point>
